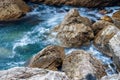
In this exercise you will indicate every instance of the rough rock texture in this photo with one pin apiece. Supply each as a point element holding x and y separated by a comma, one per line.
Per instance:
<point>50,57</point>
<point>108,42</point>
<point>86,3</point>
<point>80,65</point>
<point>114,44</point>
<point>99,25</point>
<point>12,9</point>
<point>74,30</point>
<point>116,18</point>
<point>24,73</point>
<point>103,38</point>
<point>112,77</point>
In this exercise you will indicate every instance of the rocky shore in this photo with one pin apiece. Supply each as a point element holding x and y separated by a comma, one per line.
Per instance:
<point>74,31</point>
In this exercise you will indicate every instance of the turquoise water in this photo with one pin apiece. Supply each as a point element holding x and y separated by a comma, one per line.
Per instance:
<point>21,39</point>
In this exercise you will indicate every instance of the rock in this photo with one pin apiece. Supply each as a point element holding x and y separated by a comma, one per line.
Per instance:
<point>25,73</point>
<point>80,65</point>
<point>112,77</point>
<point>12,9</point>
<point>108,42</point>
<point>74,30</point>
<point>50,57</point>
<point>114,44</point>
<point>73,16</point>
<point>85,3</point>
<point>116,18</point>
<point>103,38</point>
<point>99,25</point>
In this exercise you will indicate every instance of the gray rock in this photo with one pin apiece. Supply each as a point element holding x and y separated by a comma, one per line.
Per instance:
<point>80,65</point>
<point>74,31</point>
<point>25,73</point>
<point>111,77</point>
<point>108,41</point>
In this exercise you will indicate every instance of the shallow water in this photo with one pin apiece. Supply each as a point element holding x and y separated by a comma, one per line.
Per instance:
<point>21,39</point>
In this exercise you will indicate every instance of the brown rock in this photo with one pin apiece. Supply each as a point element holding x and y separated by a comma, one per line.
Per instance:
<point>25,73</point>
<point>116,18</point>
<point>50,57</point>
<point>99,25</point>
<point>108,42</point>
<point>12,9</point>
<point>74,30</point>
<point>80,65</point>
<point>85,3</point>
<point>102,39</point>
<point>114,44</point>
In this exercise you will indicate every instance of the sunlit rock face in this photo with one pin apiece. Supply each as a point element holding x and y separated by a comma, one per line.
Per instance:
<point>86,3</point>
<point>12,9</point>
<point>50,57</point>
<point>80,65</point>
<point>24,73</point>
<point>116,18</point>
<point>100,24</point>
<point>111,77</point>
<point>114,44</point>
<point>103,38</point>
<point>108,41</point>
<point>74,30</point>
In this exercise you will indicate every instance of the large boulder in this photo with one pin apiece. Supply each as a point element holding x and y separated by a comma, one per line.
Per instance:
<point>103,38</point>
<point>24,73</point>
<point>74,30</point>
<point>114,44</point>
<point>108,41</point>
<point>99,25</point>
<point>116,18</point>
<point>50,57</point>
<point>12,9</point>
<point>80,65</point>
<point>85,3</point>
<point>111,77</point>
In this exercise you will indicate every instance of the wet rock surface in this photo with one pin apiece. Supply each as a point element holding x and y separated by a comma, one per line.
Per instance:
<point>114,44</point>
<point>85,3</point>
<point>25,73</point>
<point>74,30</point>
<point>50,57</point>
<point>12,9</point>
<point>80,65</point>
<point>100,24</point>
<point>102,39</point>
<point>112,77</point>
<point>108,41</point>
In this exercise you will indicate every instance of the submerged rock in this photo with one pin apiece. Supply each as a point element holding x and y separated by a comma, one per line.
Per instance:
<point>12,9</point>
<point>85,3</point>
<point>116,18</point>
<point>112,77</point>
<point>80,65</point>
<point>99,25</point>
<point>74,30</point>
<point>24,73</point>
<point>50,57</point>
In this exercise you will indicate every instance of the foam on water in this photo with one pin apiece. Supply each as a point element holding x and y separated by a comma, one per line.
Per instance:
<point>36,38</point>
<point>111,68</point>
